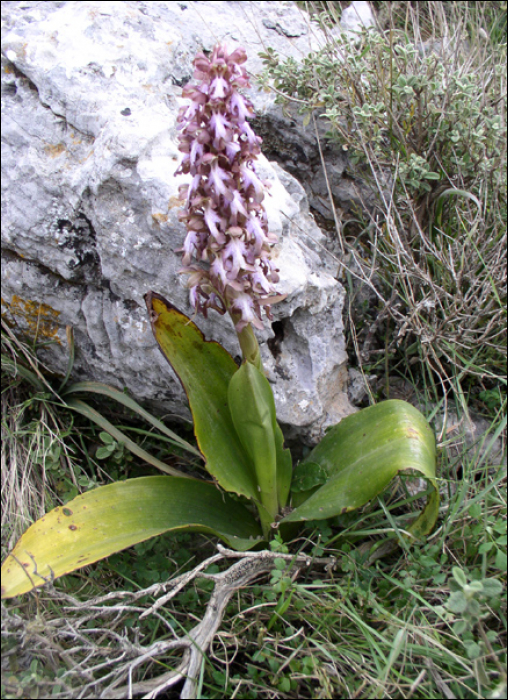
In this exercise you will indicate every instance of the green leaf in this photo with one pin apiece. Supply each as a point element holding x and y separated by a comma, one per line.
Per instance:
<point>457,602</point>
<point>459,576</point>
<point>284,467</point>
<point>363,453</point>
<point>128,402</point>
<point>250,399</point>
<point>501,560</point>
<point>308,475</point>
<point>205,370</point>
<point>492,587</point>
<point>119,436</point>
<point>473,649</point>
<point>485,547</point>
<point>252,409</point>
<point>460,627</point>
<point>113,517</point>
<point>104,452</point>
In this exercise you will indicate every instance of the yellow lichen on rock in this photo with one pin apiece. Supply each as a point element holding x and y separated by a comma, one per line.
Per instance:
<point>40,320</point>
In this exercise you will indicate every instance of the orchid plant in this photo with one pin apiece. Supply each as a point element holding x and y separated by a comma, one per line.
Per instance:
<point>254,491</point>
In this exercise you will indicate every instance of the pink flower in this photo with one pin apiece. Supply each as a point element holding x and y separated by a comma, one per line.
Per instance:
<point>251,137</point>
<point>251,179</point>
<point>190,245</point>
<point>232,148</point>
<point>217,177</point>
<point>218,271</point>
<point>219,88</point>
<point>211,219</point>
<point>254,227</point>
<point>237,206</point>
<point>196,150</point>
<point>244,305</point>
<point>240,107</point>
<point>233,256</point>
<point>227,230</point>
<point>259,282</point>
<point>219,123</point>
<point>193,187</point>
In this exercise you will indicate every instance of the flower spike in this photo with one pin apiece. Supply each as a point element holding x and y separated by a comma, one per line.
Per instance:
<point>227,229</point>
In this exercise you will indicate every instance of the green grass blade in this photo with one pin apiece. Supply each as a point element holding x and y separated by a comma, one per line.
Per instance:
<point>112,393</point>
<point>15,369</point>
<point>96,417</point>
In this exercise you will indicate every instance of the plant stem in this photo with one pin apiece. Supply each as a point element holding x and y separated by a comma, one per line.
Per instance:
<point>250,347</point>
<point>266,521</point>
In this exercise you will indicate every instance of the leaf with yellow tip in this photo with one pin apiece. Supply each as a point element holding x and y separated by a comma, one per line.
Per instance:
<point>110,518</point>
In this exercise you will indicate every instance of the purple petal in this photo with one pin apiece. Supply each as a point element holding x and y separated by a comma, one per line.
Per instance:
<point>244,305</point>
<point>190,244</point>
<point>196,151</point>
<point>259,283</point>
<point>237,206</point>
<point>212,218</point>
<point>232,149</point>
<point>234,253</point>
<point>251,136</point>
<point>250,178</point>
<point>257,232</point>
<point>217,177</point>
<point>217,270</point>
<point>240,106</point>
<point>219,123</point>
<point>219,88</point>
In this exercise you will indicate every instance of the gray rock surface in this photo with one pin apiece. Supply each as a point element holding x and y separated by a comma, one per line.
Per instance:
<point>90,93</point>
<point>356,17</point>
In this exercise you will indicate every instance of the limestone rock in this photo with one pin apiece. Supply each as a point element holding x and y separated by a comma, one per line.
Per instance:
<point>356,17</point>
<point>90,94</point>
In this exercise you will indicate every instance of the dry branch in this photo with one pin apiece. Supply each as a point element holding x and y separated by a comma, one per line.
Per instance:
<point>104,661</point>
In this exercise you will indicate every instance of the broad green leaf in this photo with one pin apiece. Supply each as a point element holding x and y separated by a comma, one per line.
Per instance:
<point>249,402</point>
<point>205,370</point>
<point>252,409</point>
<point>113,517</point>
<point>256,424</point>
<point>363,453</point>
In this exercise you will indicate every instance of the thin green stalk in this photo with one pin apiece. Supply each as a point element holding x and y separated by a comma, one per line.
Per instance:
<point>250,347</point>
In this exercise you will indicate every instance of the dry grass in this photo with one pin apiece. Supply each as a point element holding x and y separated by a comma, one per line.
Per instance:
<point>420,104</point>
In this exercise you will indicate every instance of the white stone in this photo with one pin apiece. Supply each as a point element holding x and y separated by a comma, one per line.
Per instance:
<point>90,96</point>
<point>356,17</point>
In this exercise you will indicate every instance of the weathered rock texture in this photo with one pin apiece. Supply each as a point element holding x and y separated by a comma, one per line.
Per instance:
<point>90,93</point>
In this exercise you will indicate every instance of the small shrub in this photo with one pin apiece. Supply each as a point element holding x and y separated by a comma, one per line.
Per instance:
<point>424,124</point>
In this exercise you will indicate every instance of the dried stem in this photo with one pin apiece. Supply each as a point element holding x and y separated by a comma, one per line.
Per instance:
<point>104,660</point>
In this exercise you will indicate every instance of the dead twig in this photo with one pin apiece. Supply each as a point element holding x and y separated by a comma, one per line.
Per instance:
<point>106,658</point>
